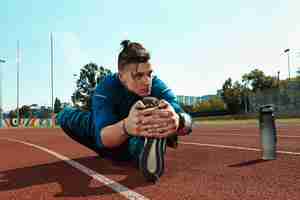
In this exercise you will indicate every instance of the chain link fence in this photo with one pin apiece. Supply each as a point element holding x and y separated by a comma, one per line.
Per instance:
<point>286,100</point>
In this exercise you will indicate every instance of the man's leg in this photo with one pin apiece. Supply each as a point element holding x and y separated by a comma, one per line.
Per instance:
<point>148,154</point>
<point>79,126</point>
<point>135,148</point>
<point>151,158</point>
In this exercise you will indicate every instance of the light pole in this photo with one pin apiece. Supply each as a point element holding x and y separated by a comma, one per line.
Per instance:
<point>1,110</point>
<point>51,52</point>
<point>278,78</point>
<point>18,80</point>
<point>51,60</point>
<point>288,54</point>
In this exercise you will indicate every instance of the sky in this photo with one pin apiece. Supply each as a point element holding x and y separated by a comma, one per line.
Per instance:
<point>195,45</point>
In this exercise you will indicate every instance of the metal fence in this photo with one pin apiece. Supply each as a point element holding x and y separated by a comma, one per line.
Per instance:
<point>286,100</point>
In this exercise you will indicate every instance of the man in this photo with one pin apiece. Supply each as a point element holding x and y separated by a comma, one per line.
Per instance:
<point>121,125</point>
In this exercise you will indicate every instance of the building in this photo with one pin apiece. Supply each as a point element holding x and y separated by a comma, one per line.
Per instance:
<point>192,100</point>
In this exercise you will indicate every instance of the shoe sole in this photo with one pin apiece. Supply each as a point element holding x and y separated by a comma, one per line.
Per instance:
<point>152,159</point>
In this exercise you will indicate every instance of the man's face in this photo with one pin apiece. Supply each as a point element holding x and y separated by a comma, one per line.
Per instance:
<point>137,77</point>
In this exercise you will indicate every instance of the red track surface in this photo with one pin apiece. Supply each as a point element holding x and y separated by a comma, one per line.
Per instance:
<point>192,172</point>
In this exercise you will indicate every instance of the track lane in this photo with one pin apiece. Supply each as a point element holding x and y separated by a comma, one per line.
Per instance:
<point>31,160</point>
<point>191,172</point>
<point>31,174</point>
<point>288,138</point>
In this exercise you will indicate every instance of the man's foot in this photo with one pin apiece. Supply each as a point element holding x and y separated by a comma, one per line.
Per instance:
<point>58,118</point>
<point>59,115</point>
<point>152,162</point>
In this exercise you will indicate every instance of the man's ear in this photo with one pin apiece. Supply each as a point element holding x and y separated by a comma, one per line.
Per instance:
<point>121,77</point>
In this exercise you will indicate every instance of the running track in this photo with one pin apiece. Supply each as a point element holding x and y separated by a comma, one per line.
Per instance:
<point>215,162</point>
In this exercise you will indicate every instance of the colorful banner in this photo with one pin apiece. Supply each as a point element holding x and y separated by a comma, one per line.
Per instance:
<point>30,123</point>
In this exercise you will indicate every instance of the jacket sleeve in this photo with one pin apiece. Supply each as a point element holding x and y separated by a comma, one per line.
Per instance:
<point>166,93</point>
<point>170,97</point>
<point>103,113</point>
<point>162,91</point>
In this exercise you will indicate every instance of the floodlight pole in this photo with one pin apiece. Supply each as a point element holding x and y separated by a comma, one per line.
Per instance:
<point>288,54</point>
<point>51,54</point>
<point>18,81</point>
<point>1,110</point>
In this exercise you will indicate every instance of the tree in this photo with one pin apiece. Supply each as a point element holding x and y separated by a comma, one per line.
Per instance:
<point>217,104</point>
<point>186,108</point>
<point>12,114</point>
<point>25,111</point>
<point>203,106</point>
<point>57,105</point>
<point>44,112</point>
<point>211,105</point>
<point>231,95</point>
<point>298,72</point>
<point>90,76</point>
<point>258,80</point>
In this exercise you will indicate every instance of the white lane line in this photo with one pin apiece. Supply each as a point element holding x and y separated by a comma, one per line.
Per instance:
<point>236,147</point>
<point>241,135</point>
<point>126,192</point>
<point>288,136</point>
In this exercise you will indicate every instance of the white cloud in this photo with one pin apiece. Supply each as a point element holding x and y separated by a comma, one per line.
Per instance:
<point>71,48</point>
<point>294,45</point>
<point>294,38</point>
<point>69,58</point>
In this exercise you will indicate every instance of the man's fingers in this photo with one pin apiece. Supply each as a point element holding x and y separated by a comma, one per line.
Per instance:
<point>155,122</point>
<point>157,131</point>
<point>168,129</point>
<point>139,105</point>
<point>147,111</point>
<point>157,134</point>
<point>163,122</point>
<point>167,133</point>
<point>147,134</point>
<point>163,104</point>
<point>146,120</point>
<point>154,126</point>
<point>149,127</point>
<point>163,113</point>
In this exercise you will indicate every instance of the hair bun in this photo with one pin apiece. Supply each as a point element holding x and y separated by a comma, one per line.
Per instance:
<point>125,43</point>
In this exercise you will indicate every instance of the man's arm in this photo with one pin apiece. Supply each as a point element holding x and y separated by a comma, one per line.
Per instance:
<point>185,120</point>
<point>170,118</point>
<point>111,132</point>
<point>117,133</point>
<point>114,135</point>
<point>108,129</point>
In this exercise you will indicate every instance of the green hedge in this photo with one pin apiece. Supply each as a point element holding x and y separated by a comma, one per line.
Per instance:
<point>244,117</point>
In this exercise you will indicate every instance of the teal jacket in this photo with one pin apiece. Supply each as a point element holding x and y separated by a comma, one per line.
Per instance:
<point>111,102</point>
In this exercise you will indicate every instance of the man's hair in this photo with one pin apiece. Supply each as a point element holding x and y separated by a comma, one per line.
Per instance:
<point>132,52</point>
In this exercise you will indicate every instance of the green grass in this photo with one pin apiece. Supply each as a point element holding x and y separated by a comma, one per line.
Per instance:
<point>226,122</point>
<point>231,120</point>
<point>290,121</point>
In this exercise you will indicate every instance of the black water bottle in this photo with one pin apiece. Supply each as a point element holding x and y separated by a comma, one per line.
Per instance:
<point>268,135</point>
